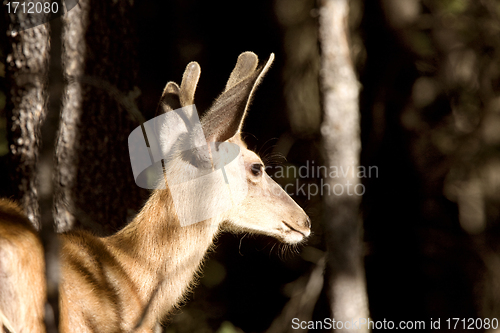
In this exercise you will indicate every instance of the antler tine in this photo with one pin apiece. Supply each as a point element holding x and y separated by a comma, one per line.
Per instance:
<point>246,65</point>
<point>225,118</point>
<point>169,99</point>
<point>189,83</point>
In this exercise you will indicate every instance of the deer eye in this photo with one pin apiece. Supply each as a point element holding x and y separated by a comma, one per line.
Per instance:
<point>257,169</point>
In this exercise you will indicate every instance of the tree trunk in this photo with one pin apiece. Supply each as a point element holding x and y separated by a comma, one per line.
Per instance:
<point>96,189</point>
<point>341,137</point>
<point>27,70</point>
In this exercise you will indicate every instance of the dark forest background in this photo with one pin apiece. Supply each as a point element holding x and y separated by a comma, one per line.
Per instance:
<point>429,75</point>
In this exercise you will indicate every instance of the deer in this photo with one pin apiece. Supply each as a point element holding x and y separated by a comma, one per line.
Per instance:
<point>134,279</point>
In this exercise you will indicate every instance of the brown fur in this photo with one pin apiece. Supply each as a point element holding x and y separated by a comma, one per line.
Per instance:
<point>22,289</point>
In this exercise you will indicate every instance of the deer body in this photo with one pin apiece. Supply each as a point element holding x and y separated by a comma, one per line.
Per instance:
<point>22,271</point>
<point>130,281</point>
<point>145,264</point>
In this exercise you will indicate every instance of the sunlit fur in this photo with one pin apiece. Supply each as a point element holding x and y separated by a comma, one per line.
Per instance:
<point>22,287</point>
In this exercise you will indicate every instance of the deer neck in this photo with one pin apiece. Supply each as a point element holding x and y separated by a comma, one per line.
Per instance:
<point>160,256</point>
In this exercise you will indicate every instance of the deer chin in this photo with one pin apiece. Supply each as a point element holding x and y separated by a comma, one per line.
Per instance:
<point>288,233</point>
<point>292,234</point>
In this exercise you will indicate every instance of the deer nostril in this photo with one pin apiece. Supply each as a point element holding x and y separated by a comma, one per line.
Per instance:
<point>308,222</point>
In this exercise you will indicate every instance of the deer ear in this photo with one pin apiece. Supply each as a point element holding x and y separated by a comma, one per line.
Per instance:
<point>189,83</point>
<point>169,99</point>
<point>225,118</point>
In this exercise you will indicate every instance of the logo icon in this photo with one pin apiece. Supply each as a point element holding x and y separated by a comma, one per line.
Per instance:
<point>205,179</point>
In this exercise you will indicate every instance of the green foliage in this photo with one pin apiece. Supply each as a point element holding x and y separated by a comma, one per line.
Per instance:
<point>213,274</point>
<point>453,6</point>
<point>228,327</point>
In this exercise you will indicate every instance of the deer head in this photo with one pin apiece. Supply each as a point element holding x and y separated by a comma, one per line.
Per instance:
<point>265,208</point>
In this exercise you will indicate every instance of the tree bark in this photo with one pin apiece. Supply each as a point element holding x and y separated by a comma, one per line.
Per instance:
<point>96,189</point>
<point>341,138</point>
<point>30,127</point>
<point>27,73</point>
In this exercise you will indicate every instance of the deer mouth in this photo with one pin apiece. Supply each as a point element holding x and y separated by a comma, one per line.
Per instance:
<point>293,229</point>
